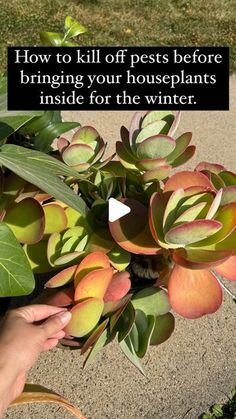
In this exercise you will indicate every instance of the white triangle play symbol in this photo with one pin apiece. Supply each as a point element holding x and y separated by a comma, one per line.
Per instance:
<point>116,209</point>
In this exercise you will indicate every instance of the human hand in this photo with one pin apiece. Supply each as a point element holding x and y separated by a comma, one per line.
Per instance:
<point>24,333</point>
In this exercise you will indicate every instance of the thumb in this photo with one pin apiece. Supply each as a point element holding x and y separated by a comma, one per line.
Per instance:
<point>55,323</point>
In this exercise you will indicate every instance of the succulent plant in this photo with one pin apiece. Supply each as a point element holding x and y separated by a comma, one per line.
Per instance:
<point>149,146</point>
<point>85,149</point>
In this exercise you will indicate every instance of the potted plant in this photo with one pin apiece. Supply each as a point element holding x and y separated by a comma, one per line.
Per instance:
<point>121,279</point>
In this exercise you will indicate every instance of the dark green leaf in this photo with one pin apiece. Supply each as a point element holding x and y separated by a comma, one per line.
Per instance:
<point>43,171</point>
<point>44,139</point>
<point>16,277</point>
<point>125,322</point>
<point>145,325</point>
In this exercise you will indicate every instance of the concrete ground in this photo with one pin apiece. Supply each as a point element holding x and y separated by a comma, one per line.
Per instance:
<point>195,367</point>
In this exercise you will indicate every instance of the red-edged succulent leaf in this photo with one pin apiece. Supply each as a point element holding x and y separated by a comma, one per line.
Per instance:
<point>227,269</point>
<point>85,134</point>
<point>149,164</point>
<point>58,298</point>
<point>118,287</point>
<point>200,259</point>
<point>192,232</point>
<point>227,217</point>
<point>194,293</point>
<point>85,316</point>
<point>164,327</point>
<point>93,261</point>
<point>94,284</point>
<point>62,278</point>
<point>124,133</point>
<point>61,144</point>
<point>152,116</point>
<point>187,179</point>
<point>158,146</point>
<point>171,208</point>
<point>211,167</point>
<point>94,336</point>
<point>131,232</point>
<point>159,173</point>
<point>26,220</point>
<point>154,128</point>
<point>55,218</point>
<point>191,213</point>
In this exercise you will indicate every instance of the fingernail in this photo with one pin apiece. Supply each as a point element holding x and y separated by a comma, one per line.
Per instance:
<point>65,316</point>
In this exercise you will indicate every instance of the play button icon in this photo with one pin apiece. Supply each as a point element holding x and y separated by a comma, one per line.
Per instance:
<point>116,209</point>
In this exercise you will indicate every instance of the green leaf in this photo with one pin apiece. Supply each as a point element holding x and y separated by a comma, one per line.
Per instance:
<point>128,349</point>
<point>44,139</point>
<point>11,121</point>
<point>51,39</point>
<point>40,122</point>
<point>145,325</point>
<point>73,28</point>
<point>43,171</point>
<point>152,301</point>
<point>99,344</point>
<point>125,322</point>
<point>16,277</point>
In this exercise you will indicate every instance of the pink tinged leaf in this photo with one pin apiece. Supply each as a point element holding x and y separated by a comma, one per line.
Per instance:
<point>227,269</point>
<point>26,220</point>
<point>194,293</point>
<point>131,232</point>
<point>149,164</point>
<point>227,217</point>
<point>125,158</point>
<point>55,218</point>
<point>191,213</point>
<point>175,124</point>
<point>181,144</point>
<point>135,125</point>
<point>186,156</point>
<point>200,259</point>
<point>192,232</point>
<point>153,129</point>
<point>58,298</point>
<point>118,287</point>
<point>215,205</point>
<point>159,173</point>
<point>62,278</point>
<point>77,153</point>
<point>171,208</point>
<point>187,179</point>
<point>85,316</point>
<point>157,146</point>
<point>62,144</point>
<point>211,167</point>
<point>94,284</point>
<point>228,195</point>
